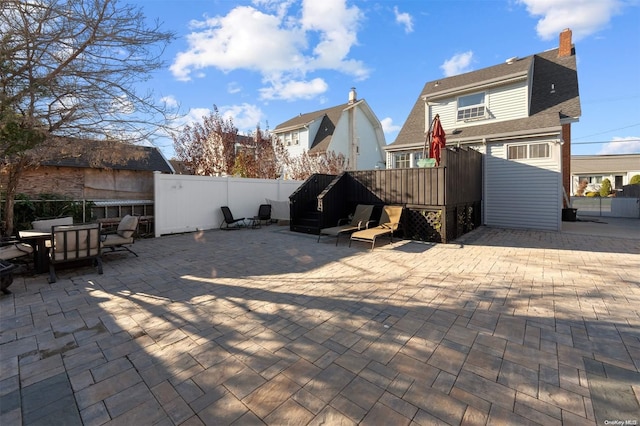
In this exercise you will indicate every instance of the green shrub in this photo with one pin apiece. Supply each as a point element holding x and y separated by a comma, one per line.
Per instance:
<point>592,194</point>
<point>634,180</point>
<point>47,206</point>
<point>605,189</point>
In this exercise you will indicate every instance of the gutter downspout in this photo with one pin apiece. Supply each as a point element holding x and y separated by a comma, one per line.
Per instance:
<point>484,180</point>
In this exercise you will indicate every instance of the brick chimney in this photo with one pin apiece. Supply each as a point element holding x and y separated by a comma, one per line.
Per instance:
<point>565,48</point>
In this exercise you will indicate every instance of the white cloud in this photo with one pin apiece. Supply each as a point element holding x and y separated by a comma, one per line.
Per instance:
<point>170,101</point>
<point>457,64</point>
<point>244,116</point>
<point>388,126</point>
<point>275,44</point>
<point>583,17</point>
<point>404,19</point>
<point>246,38</point>
<point>195,114</point>
<point>627,145</point>
<point>291,90</point>
<point>234,87</point>
<point>336,26</point>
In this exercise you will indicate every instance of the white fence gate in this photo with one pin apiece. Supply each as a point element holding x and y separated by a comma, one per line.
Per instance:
<point>185,203</point>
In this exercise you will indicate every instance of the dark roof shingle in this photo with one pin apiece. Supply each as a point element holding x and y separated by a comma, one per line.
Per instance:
<point>329,119</point>
<point>546,108</point>
<point>114,155</point>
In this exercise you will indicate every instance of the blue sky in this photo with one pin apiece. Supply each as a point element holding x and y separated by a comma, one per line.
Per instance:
<point>265,61</point>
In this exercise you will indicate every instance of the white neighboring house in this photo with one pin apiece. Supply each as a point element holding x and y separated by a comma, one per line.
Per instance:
<point>593,169</point>
<point>350,129</point>
<point>519,114</point>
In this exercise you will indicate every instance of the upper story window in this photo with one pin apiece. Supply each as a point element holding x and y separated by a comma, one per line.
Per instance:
<point>523,152</point>
<point>471,107</point>
<point>402,160</point>
<point>291,138</point>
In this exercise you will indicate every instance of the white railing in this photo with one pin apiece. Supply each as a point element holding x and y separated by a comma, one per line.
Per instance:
<point>608,207</point>
<point>185,203</point>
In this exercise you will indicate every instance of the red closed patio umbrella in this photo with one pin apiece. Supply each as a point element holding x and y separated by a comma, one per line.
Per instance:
<point>437,138</point>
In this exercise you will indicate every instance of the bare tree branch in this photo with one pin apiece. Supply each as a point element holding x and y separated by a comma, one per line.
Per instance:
<point>71,68</point>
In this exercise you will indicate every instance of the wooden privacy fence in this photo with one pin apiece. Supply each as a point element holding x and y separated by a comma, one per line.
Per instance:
<point>441,203</point>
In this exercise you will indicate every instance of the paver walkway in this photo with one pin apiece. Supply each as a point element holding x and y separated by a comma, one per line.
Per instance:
<point>267,326</point>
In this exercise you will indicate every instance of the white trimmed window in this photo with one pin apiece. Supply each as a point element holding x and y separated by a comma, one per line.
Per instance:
<point>524,152</point>
<point>471,107</point>
<point>402,160</point>
<point>417,156</point>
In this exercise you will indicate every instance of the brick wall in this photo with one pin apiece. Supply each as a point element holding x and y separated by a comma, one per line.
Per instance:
<point>90,184</point>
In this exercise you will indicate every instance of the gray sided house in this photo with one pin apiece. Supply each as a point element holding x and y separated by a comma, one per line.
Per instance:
<point>519,113</point>
<point>97,170</point>
<point>351,129</point>
<point>593,169</point>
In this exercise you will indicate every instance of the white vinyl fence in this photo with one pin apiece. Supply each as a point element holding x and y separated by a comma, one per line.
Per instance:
<point>185,203</point>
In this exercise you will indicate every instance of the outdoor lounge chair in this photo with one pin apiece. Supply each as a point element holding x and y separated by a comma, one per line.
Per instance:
<point>124,235</point>
<point>6,276</point>
<point>264,214</point>
<point>389,223</point>
<point>229,222</point>
<point>361,220</point>
<point>71,243</point>
<point>14,249</point>
<point>45,225</point>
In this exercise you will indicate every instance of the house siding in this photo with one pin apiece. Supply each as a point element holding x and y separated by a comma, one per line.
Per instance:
<point>503,103</point>
<point>303,143</point>
<point>604,167</point>
<point>523,193</point>
<point>369,152</point>
<point>330,131</point>
<point>508,102</point>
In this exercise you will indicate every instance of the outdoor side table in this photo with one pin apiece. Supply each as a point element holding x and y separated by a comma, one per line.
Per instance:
<point>38,240</point>
<point>255,222</point>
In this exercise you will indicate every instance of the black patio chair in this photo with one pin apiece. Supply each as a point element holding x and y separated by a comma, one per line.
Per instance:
<point>264,215</point>
<point>229,222</point>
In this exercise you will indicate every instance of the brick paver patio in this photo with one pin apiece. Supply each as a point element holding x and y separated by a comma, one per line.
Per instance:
<point>267,326</point>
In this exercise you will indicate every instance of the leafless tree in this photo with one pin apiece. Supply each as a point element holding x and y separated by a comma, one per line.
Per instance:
<point>305,165</point>
<point>207,148</point>
<point>70,68</point>
<point>256,156</point>
<point>214,147</point>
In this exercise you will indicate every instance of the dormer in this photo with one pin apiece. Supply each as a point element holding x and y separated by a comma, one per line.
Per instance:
<point>497,93</point>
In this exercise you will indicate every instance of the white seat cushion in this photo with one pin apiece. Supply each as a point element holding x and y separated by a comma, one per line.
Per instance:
<point>127,226</point>
<point>15,250</point>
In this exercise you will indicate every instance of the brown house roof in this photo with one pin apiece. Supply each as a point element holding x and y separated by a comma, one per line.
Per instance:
<point>329,117</point>
<point>621,163</point>
<point>180,167</point>
<point>545,111</point>
<point>113,155</point>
